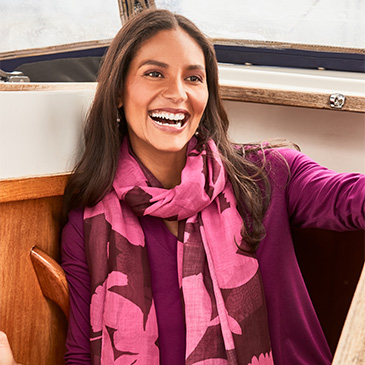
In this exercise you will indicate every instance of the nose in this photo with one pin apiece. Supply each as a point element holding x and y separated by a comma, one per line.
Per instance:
<point>175,90</point>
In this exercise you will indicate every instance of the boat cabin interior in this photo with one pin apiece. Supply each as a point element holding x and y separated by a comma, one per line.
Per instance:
<point>45,91</point>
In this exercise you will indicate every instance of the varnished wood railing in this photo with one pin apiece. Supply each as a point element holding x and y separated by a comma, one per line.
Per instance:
<point>34,187</point>
<point>351,346</point>
<point>317,100</point>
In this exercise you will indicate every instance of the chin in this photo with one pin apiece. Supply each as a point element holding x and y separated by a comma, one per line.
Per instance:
<point>172,146</point>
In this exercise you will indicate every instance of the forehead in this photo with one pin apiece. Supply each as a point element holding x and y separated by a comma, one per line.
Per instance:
<point>171,46</point>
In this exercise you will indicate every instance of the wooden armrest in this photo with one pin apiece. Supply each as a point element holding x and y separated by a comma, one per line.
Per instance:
<point>52,278</point>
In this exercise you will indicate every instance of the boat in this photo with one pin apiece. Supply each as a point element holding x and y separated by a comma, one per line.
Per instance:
<point>45,91</point>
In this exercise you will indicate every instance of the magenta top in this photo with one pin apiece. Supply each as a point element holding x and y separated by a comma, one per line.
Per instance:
<point>313,197</point>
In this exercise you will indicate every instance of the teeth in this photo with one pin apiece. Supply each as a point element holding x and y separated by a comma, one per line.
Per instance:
<point>170,116</point>
<point>177,124</point>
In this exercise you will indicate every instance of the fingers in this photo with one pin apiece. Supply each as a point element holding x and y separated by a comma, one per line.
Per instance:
<point>6,356</point>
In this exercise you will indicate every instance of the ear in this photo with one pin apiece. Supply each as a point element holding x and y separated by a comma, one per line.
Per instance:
<point>120,101</point>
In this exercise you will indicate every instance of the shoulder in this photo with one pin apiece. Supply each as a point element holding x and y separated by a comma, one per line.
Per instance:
<point>276,161</point>
<point>281,159</point>
<point>286,165</point>
<point>296,159</point>
<point>262,153</point>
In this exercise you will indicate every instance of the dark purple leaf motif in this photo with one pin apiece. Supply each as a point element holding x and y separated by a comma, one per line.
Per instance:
<point>116,352</point>
<point>96,229</point>
<point>211,173</point>
<point>207,188</point>
<point>215,168</point>
<point>211,346</point>
<point>138,200</point>
<point>223,203</point>
<point>245,305</point>
<point>194,252</point>
<point>132,261</point>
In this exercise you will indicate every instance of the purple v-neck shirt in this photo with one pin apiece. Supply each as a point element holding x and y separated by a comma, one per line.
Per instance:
<point>313,197</point>
<point>162,253</point>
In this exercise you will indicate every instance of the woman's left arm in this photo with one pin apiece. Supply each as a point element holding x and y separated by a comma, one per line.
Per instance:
<point>321,198</point>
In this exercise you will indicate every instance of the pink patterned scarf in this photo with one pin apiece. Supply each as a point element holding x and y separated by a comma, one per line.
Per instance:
<point>222,294</point>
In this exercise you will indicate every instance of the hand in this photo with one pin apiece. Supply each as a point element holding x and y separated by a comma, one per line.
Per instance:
<point>6,356</point>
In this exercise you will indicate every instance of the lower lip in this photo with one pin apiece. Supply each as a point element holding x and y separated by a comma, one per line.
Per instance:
<point>169,129</point>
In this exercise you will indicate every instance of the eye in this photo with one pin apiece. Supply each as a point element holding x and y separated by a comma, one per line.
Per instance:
<point>154,74</point>
<point>195,78</point>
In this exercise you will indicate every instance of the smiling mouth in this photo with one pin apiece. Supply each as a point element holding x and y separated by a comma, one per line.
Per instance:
<point>163,118</point>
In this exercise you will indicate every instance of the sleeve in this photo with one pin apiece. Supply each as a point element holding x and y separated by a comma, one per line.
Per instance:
<point>321,198</point>
<point>77,274</point>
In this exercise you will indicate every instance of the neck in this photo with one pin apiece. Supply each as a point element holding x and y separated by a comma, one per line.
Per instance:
<point>165,166</point>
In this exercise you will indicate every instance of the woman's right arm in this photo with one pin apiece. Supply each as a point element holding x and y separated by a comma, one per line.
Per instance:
<point>77,274</point>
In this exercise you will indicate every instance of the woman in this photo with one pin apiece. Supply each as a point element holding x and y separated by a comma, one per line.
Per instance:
<point>6,355</point>
<point>165,217</point>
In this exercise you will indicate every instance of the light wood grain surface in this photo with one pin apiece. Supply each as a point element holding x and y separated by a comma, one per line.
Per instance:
<point>32,187</point>
<point>351,346</point>
<point>260,95</point>
<point>47,86</point>
<point>290,98</point>
<point>29,215</point>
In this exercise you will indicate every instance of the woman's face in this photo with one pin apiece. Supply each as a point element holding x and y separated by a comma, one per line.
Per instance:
<point>165,94</point>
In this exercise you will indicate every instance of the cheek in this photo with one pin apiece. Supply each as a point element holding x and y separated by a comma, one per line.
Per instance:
<point>133,107</point>
<point>202,101</point>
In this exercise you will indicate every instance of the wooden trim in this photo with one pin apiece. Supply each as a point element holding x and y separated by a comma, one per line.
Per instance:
<point>234,93</point>
<point>351,346</point>
<point>285,45</point>
<point>32,187</point>
<point>41,51</point>
<point>50,86</point>
<point>289,98</point>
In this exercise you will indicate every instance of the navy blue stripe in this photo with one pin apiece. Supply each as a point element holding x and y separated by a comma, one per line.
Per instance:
<point>237,55</point>
<point>12,64</point>
<point>291,58</point>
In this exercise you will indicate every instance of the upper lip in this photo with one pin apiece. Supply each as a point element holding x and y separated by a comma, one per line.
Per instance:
<point>169,110</point>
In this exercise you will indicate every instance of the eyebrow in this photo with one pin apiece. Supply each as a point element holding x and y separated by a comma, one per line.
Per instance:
<point>165,65</point>
<point>154,63</point>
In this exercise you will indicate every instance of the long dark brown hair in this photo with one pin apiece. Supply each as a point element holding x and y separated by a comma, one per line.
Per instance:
<point>94,174</point>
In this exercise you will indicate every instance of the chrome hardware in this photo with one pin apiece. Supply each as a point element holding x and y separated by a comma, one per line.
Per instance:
<point>15,76</point>
<point>337,101</point>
